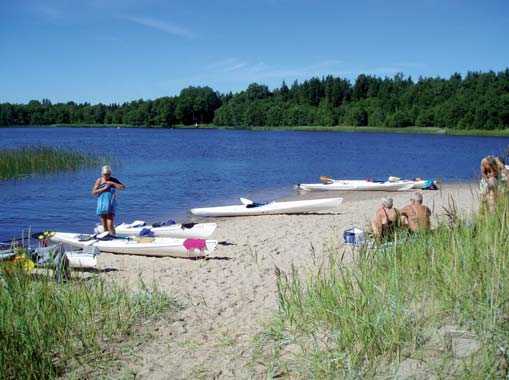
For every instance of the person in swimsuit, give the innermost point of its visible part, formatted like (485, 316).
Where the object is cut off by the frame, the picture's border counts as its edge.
(386, 219)
(415, 216)
(105, 188)
(493, 181)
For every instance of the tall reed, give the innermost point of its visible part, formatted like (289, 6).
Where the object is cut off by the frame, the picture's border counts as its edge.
(48, 330)
(42, 159)
(360, 321)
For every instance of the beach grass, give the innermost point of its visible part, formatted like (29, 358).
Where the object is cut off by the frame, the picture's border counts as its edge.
(79, 328)
(24, 161)
(440, 299)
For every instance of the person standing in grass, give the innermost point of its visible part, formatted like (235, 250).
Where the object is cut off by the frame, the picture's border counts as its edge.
(493, 181)
(416, 216)
(105, 188)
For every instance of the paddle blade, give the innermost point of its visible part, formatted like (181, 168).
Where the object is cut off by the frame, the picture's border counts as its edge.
(326, 179)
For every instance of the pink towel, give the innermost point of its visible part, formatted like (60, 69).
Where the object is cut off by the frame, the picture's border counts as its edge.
(195, 243)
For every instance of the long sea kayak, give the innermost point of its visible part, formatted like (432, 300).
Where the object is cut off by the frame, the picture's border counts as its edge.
(417, 183)
(145, 246)
(252, 208)
(359, 185)
(187, 230)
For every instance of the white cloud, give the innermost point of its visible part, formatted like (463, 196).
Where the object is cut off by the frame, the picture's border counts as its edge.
(163, 26)
(243, 70)
(234, 74)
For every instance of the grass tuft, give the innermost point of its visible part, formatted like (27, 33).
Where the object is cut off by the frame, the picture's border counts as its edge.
(30, 160)
(48, 330)
(402, 302)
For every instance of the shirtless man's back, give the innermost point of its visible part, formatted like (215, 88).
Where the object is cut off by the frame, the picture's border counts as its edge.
(416, 216)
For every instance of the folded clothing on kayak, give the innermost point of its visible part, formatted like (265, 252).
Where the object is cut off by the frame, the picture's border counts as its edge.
(195, 244)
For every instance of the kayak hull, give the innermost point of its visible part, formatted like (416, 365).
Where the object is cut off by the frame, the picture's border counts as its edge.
(79, 259)
(162, 247)
(82, 258)
(359, 185)
(290, 207)
(196, 231)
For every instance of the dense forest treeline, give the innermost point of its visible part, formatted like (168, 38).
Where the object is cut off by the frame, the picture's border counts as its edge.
(477, 101)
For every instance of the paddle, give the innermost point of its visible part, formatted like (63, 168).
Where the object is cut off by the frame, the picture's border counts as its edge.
(326, 179)
(329, 180)
(44, 235)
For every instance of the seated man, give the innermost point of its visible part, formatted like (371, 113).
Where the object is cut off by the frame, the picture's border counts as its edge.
(493, 181)
(415, 216)
(386, 219)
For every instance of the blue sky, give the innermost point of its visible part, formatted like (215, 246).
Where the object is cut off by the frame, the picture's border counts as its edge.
(123, 50)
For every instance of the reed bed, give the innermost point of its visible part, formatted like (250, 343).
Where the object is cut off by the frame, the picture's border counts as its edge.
(29, 160)
(76, 329)
(398, 303)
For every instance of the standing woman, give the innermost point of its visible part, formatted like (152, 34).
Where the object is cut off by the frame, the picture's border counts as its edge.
(105, 188)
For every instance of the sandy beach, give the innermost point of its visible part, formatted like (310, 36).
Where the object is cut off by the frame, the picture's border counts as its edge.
(228, 296)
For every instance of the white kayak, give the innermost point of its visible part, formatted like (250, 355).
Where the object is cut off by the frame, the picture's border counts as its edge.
(360, 185)
(80, 258)
(146, 246)
(83, 258)
(187, 230)
(417, 183)
(249, 207)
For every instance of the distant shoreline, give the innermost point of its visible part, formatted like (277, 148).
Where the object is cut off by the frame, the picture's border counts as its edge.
(404, 130)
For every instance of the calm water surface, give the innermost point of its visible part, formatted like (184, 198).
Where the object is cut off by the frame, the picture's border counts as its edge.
(167, 172)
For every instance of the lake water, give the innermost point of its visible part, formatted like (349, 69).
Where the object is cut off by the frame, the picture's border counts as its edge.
(167, 172)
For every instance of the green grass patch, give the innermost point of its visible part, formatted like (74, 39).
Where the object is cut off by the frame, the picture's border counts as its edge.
(361, 321)
(80, 329)
(30, 160)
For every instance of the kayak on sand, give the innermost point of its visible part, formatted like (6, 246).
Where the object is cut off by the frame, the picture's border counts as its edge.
(187, 230)
(360, 185)
(417, 183)
(44, 256)
(248, 207)
(146, 246)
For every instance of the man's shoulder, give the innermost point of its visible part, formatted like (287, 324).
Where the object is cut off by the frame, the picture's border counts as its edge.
(406, 208)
